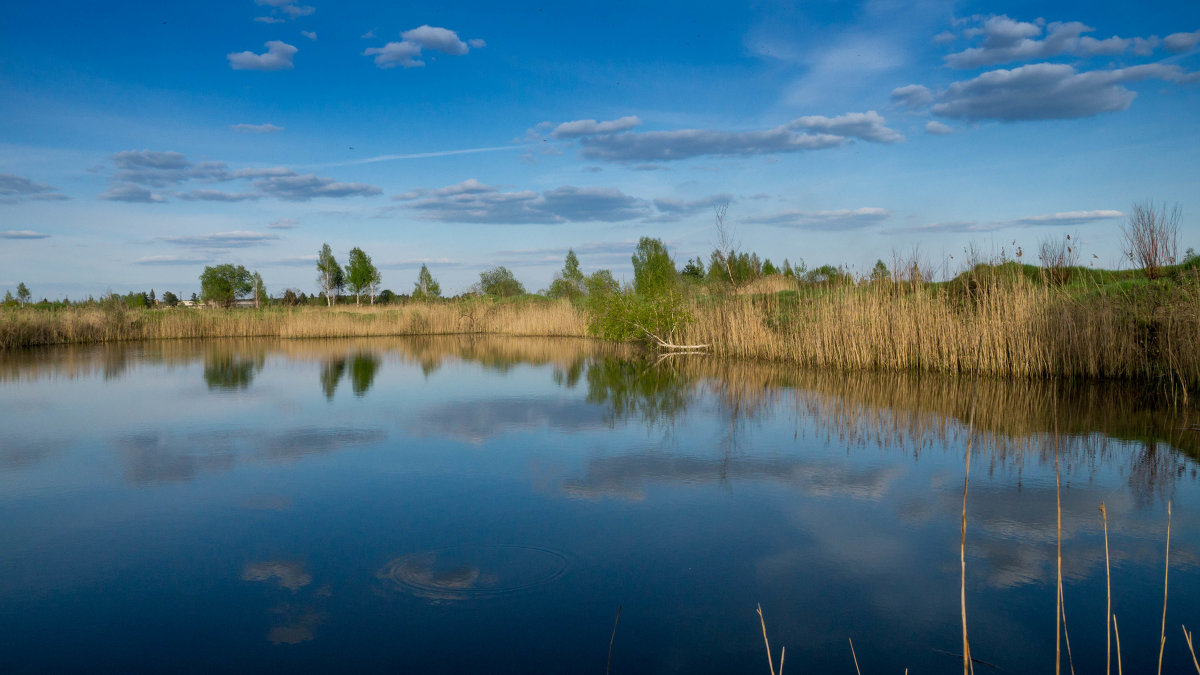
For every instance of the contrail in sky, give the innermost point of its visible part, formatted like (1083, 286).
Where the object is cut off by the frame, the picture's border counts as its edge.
(421, 155)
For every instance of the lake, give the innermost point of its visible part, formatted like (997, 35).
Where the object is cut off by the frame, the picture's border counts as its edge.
(486, 505)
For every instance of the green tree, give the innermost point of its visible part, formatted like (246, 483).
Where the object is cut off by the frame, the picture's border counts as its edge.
(330, 275)
(22, 292)
(426, 288)
(361, 275)
(693, 270)
(653, 269)
(569, 282)
(386, 296)
(768, 269)
(170, 299)
(880, 273)
(260, 290)
(223, 284)
(8, 296)
(500, 281)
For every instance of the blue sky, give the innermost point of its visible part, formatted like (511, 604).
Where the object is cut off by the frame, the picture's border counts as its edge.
(140, 142)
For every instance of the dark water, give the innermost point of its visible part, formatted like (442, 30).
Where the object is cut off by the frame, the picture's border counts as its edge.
(486, 506)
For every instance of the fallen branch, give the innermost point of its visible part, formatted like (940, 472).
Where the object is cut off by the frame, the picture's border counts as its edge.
(663, 343)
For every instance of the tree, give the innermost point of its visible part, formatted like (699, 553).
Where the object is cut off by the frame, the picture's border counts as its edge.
(8, 296)
(653, 269)
(386, 296)
(1152, 236)
(170, 299)
(223, 284)
(22, 292)
(260, 290)
(426, 288)
(880, 273)
(152, 300)
(361, 275)
(569, 282)
(693, 270)
(329, 274)
(500, 281)
(601, 283)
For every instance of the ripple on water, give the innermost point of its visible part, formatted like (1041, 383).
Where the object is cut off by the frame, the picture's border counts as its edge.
(465, 572)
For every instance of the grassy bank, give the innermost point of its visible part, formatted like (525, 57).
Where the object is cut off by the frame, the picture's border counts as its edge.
(1006, 327)
(28, 327)
(1000, 320)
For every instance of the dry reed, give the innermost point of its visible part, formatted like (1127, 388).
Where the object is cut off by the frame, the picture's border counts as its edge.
(1023, 330)
(1166, 572)
(1108, 615)
(1188, 637)
(26, 328)
(612, 639)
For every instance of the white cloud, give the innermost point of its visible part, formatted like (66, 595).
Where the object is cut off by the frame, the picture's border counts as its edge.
(255, 128)
(1006, 40)
(277, 57)
(868, 126)
(475, 202)
(1181, 42)
(805, 133)
(912, 97)
(437, 39)
(300, 188)
(223, 240)
(296, 11)
(937, 128)
(841, 219)
(218, 196)
(580, 128)
(128, 192)
(1070, 217)
(268, 19)
(310, 34)
(19, 188)
(407, 52)
(476, 43)
(172, 260)
(23, 234)
(283, 224)
(1048, 91)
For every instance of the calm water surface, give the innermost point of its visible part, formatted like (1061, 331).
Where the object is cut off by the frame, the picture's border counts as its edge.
(457, 505)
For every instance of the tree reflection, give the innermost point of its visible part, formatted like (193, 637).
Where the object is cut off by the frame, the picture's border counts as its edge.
(638, 388)
(363, 367)
(331, 374)
(230, 370)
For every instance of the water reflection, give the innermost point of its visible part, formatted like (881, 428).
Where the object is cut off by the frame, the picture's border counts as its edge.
(164, 457)
(331, 375)
(231, 371)
(287, 574)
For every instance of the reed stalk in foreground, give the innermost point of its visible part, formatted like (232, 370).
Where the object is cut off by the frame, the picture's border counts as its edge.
(1108, 615)
(1058, 605)
(770, 663)
(1117, 634)
(968, 665)
(1163, 635)
(855, 657)
(612, 639)
(1188, 636)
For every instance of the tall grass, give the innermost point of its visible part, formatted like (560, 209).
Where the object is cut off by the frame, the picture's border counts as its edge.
(1020, 329)
(28, 327)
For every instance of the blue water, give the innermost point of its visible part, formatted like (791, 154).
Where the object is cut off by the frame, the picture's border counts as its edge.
(486, 505)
